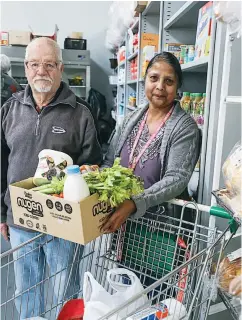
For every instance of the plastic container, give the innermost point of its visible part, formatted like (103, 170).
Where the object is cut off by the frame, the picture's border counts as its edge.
(186, 101)
(200, 111)
(183, 54)
(52, 163)
(75, 187)
(197, 99)
(191, 53)
(132, 100)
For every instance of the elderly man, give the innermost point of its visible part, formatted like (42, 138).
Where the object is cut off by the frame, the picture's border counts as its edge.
(46, 115)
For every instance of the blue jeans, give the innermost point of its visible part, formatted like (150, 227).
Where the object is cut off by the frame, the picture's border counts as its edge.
(29, 267)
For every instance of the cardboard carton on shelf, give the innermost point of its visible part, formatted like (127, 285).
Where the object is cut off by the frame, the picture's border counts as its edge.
(149, 39)
(76, 222)
(3, 38)
(140, 6)
(19, 38)
(49, 34)
(204, 26)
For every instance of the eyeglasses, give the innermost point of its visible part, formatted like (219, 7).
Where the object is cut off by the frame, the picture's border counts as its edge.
(49, 66)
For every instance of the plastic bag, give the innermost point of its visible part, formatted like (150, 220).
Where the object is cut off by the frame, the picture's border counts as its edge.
(98, 302)
(229, 269)
(230, 13)
(232, 173)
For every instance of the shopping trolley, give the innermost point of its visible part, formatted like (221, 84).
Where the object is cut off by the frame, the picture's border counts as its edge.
(173, 259)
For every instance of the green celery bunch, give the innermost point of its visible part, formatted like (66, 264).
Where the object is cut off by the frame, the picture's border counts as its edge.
(115, 184)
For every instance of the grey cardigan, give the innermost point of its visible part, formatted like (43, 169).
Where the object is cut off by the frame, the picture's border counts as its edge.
(179, 154)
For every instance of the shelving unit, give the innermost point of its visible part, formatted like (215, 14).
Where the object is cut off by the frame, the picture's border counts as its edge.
(176, 22)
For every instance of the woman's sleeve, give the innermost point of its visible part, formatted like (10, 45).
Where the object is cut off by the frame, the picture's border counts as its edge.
(181, 160)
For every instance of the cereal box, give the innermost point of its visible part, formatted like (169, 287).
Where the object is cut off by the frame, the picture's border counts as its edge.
(204, 26)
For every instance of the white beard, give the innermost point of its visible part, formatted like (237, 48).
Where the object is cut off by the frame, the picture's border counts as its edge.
(42, 88)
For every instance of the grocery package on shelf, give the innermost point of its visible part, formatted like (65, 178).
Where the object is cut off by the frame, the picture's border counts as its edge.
(148, 53)
(3, 38)
(230, 197)
(121, 76)
(194, 104)
(134, 68)
(183, 52)
(136, 42)
(132, 99)
(174, 48)
(187, 53)
(133, 42)
(229, 269)
(149, 39)
(121, 54)
(204, 26)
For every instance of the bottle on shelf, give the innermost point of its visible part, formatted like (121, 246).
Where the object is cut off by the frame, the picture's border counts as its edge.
(196, 102)
(186, 101)
(200, 116)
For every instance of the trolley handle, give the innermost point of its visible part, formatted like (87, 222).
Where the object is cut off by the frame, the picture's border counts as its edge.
(221, 213)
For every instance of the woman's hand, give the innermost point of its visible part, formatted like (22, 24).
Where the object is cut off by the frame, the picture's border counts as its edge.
(122, 213)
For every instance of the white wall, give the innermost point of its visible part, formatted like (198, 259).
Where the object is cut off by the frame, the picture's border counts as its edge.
(89, 17)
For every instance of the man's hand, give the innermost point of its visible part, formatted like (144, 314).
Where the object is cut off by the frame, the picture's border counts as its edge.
(122, 213)
(4, 231)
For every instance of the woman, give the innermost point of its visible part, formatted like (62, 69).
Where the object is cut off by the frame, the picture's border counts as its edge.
(160, 141)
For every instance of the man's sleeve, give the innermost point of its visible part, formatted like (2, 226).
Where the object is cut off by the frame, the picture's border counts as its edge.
(4, 169)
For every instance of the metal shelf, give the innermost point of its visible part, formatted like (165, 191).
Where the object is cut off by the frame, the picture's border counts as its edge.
(77, 86)
(186, 16)
(200, 65)
(135, 25)
(122, 63)
(131, 108)
(152, 8)
(132, 56)
(132, 81)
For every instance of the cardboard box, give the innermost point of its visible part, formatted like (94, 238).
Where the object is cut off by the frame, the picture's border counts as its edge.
(49, 34)
(149, 39)
(71, 221)
(204, 26)
(19, 38)
(140, 6)
(3, 38)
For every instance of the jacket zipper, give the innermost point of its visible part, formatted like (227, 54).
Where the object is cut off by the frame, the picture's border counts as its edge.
(37, 125)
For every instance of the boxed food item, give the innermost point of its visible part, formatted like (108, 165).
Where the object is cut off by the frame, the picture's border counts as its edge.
(204, 26)
(148, 53)
(19, 38)
(149, 39)
(4, 38)
(76, 222)
(49, 34)
(174, 48)
(140, 6)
